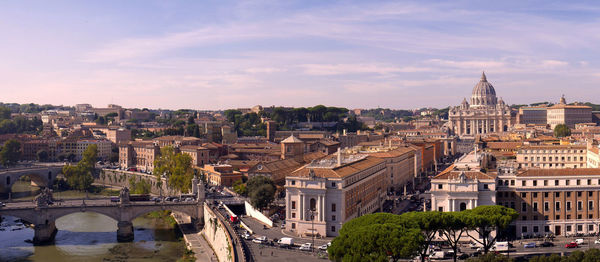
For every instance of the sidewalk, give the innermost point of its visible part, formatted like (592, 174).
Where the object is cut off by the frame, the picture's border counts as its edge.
(196, 242)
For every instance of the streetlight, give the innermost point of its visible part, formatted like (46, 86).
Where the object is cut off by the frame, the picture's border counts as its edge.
(312, 213)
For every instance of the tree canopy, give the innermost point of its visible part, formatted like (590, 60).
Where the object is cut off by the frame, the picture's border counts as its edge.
(10, 153)
(376, 237)
(487, 219)
(261, 191)
(562, 130)
(177, 167)
(80, 176)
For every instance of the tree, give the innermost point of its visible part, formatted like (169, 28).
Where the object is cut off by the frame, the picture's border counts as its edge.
(240, 188)
(10, 153)
(429, 223)
(4, 113)
(562, 130)
(486, 219)
(80, 176)
(177, 167)
(141, 187)
(453, 229)
(261, 190)
(376, 237)
(42, 155)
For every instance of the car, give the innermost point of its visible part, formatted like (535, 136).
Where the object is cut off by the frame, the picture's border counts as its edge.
(579, 241)
(463, 256)
(547, 244)
(260, 240)
(597, 241)
(323, 247)
(572, 245)
(306, 247)
(2, 204)
(529, 245)
(246, 236)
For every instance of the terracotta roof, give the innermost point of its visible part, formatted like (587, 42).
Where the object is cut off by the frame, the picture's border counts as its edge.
(308, 157)
(560, 172)
(594, 149)
(504, 145)
(471, 174)
(341, 171)
(192, 147)
(554, 147)
(328, 142)
(292, 139)
(558, 106)
(393, 153)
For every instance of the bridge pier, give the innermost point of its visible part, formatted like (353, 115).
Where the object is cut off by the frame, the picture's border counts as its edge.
(125, 231)
(44, 233)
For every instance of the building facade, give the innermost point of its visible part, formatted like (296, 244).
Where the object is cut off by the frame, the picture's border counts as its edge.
(552, 156)
(484, 114)
(569, 115)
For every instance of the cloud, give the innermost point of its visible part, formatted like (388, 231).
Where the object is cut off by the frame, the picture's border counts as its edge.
(264, 70)
(341, 69)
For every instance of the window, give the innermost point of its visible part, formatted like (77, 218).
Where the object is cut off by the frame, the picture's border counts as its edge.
(512, 182)
(590, 193)
(293, 225)
(546, 208)
(578, 182)
(535, 217)
(332, 228)
(293, 215)
(568, 228)
(333, 218)
(589, 182)
(545, 217)
(556, 182)
(440, 186)
(545, 194)
(557, 217)
(523, 207)
(535, 229)
(590, 205)
(557, 194)
(579, 216)
(579, 205)
(313, 204)
(333, 184)
(523, 183)
(579, 193)
(568, 216)
(524, 229)
(441, 209)
(293, 182)
(535, 206)
(557, 206)
(524, 218)
(535, 194)
(534, 182)
(579, 228)
(485, 186)
(523, 194)
(568, 194)
(567, 182)
(545, 182)
(568, 205)
(293, 204)
(512, 205)
(546, 228)
(590, 227)
(590, 216)
(333, 207)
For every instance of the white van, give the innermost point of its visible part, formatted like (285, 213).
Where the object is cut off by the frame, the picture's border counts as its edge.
(501, 246)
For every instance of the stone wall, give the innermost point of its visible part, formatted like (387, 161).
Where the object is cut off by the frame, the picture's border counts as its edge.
(216, 235)
(121, 178)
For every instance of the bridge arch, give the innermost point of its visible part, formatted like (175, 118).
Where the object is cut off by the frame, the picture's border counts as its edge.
(109, 212)
(40, 175)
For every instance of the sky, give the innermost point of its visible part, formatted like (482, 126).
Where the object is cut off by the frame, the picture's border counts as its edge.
(356, 54)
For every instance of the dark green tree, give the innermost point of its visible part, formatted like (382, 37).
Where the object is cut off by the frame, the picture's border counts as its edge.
(486, 219)
(376, 237)
(80, 176)
(240, 188)
(453, 229)
(10, 153)
(562, 130)
(492, 257)
(429, 224)
(177, 167)
(261, 191)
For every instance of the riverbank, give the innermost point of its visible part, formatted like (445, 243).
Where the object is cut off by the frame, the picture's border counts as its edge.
(195, 241)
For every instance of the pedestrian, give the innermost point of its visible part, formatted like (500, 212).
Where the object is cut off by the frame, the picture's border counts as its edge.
(261, 252)
(271, 253)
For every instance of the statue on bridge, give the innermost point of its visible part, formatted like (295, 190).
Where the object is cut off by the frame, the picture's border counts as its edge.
(44, 198)
(124, 195)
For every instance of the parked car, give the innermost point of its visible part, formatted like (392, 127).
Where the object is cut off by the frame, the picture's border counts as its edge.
(246, 236)
(529, 245)
(547, 244)
(306, 247)
(579, 241)
(285, 242)
(260, 240)
(325, 246)
(2, 204)
(597, 241)
(463, 256)
(572, 245)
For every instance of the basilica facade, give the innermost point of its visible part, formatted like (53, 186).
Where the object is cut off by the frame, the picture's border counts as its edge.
(483, 114)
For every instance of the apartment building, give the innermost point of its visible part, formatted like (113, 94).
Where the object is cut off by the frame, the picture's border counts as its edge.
(139, 155)
(220, 175)
(104, 148)
(199, 154)
(328, 192)
(552, 156)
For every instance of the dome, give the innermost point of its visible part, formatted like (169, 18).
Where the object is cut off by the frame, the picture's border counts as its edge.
(483, 94)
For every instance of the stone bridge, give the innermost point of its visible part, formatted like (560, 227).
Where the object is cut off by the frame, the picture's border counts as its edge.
(43, 216)
(42, 175)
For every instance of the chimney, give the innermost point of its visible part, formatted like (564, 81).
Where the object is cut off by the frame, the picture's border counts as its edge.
(339, 157)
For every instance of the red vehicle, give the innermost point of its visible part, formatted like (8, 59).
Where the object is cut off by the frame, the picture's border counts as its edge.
(234, 218)
(571, 245)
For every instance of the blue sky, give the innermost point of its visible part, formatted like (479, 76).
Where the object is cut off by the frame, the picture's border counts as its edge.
(356, 54)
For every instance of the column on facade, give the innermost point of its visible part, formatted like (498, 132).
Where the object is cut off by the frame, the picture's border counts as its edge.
(301, 206)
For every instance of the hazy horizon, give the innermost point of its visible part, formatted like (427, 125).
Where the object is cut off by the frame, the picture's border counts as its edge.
(215, 55)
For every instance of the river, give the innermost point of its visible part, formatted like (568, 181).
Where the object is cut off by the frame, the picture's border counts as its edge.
(92, 237)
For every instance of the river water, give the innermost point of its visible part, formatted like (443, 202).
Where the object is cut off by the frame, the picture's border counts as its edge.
(92, 237)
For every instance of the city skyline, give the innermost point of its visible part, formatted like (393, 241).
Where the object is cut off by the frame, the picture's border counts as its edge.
(219, 55)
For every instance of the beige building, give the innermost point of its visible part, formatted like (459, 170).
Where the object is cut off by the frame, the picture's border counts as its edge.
(220, 175)
(199, 154)
(552, 156)
(330, 192)
(484, 114)
(535, 115)
(118, 135)
(593, 156)
(139, 155)
(569, 115)
(104, 148)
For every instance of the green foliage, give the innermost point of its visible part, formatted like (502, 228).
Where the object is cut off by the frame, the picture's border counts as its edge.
(429, 223)
(5, 113)
(376, 237)
(261, 191)
(386, 114)
(176, 167)
(18, 124)
(240, 188)
(487, 219)
(562, 130)
(10, 153)
(590, 255)
(80, 176)
(101, 121)
(141, 187)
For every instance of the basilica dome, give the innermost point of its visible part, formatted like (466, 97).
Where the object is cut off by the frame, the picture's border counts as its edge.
(483, 94)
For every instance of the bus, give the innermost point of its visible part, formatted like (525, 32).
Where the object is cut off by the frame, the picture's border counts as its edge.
(142, 197)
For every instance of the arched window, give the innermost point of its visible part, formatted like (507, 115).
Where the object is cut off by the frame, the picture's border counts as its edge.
(463, 206)
(8, 181)
(313, 204)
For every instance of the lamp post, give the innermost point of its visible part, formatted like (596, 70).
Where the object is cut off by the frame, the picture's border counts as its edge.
(311, 213)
